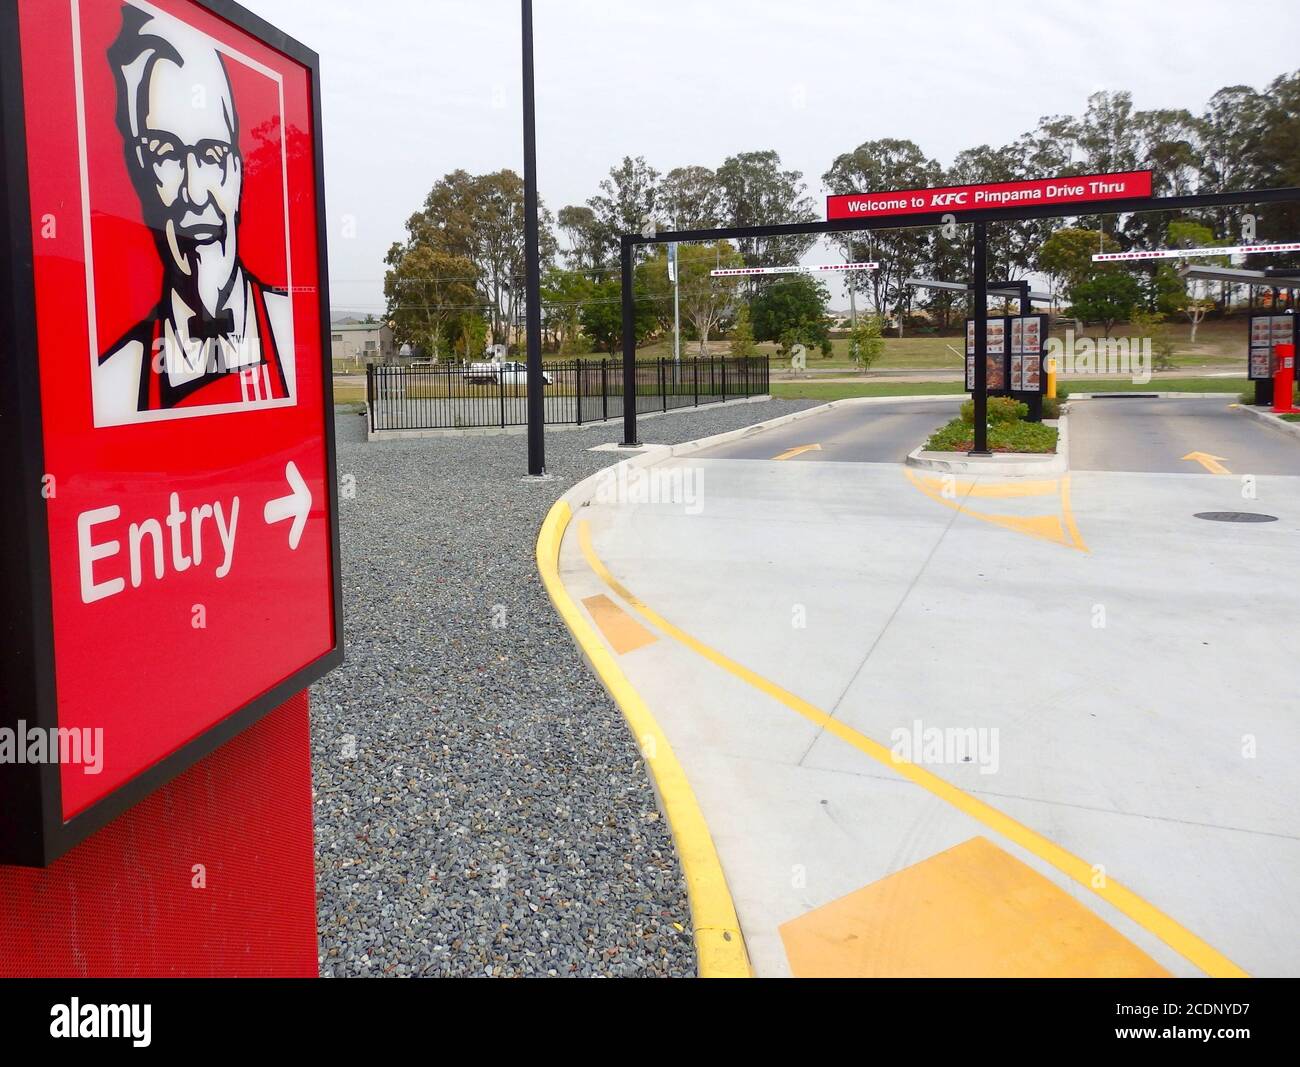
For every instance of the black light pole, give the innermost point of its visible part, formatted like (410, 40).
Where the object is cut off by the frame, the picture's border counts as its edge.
(532, 271)
(980, 286)
(629, 345)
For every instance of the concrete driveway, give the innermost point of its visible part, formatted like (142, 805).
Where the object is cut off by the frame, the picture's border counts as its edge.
(982, 727)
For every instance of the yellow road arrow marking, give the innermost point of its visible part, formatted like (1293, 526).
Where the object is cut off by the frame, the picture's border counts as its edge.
(1209, 462)
(790, 453)
(1060, 529)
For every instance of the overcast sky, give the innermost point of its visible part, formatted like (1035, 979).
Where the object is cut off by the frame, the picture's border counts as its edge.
(413, 89)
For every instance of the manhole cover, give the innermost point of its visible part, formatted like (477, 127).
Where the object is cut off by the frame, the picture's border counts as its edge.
(1235, 516)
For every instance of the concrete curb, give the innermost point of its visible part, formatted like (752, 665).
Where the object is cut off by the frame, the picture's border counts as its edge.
(719, 943)
(1011, 465)
(1150, 396)
(498, 431)
(1291, 429)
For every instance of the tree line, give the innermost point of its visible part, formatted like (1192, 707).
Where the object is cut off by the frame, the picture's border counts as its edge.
(456, 281)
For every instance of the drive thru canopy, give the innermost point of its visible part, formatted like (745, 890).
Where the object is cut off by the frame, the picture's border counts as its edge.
(1118, 194)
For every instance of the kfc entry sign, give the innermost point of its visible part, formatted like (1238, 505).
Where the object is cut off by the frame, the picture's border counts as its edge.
(1081, 189)
(170, 528)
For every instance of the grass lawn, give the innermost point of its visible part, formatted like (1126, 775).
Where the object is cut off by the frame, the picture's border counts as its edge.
(1217, 343)
(349, 392)
(839, 390)
(1158, 385)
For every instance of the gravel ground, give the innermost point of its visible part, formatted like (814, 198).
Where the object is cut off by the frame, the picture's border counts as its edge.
(481, 809)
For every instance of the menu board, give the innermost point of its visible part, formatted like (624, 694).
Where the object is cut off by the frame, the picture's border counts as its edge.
(1266, 333)
(996, 334)
(1027, 337)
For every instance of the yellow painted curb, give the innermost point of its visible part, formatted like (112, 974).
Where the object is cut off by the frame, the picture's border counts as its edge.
(719, 945)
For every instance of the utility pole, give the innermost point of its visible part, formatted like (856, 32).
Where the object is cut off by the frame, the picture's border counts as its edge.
(980, 286)
(849, 281)
(532, 274)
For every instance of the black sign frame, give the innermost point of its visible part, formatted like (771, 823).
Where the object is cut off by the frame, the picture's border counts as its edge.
(33, 832)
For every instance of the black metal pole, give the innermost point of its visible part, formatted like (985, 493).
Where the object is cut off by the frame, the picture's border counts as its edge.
(629, 347)
(980, 283)
(1035, 398)
(532, 270)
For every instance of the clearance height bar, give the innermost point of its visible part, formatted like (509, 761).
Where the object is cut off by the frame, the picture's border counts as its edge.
(1188, 253)
(809, 268)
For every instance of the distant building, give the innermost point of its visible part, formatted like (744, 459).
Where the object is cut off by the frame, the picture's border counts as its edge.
(362, 342)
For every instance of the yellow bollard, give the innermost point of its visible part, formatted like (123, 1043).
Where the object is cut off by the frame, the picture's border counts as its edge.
(1051, 377)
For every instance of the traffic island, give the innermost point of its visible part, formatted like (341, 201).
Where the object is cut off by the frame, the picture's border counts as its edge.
(1018, 447)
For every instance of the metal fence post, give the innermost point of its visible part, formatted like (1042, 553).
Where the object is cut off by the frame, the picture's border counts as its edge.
(501, 394)
(577, 370)
(695, 373)
(604, 390)
(724, 379)
(663, 395)
(370, 395)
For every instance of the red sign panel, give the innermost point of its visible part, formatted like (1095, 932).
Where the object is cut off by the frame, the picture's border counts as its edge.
(1084, 189)
(179, 307)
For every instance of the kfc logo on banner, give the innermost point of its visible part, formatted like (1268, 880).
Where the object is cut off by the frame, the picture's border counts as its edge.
(218, 332)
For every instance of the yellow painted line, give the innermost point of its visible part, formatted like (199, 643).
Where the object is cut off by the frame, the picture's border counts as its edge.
(1060, 530)
(1209, 462)
(623, 632)
(1071, 525)
(719, 946)
(790, 453)
(972, 911)
(1090, 876)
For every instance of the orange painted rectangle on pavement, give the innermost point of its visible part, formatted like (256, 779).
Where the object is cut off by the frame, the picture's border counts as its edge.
(971, 911)
(623, 632)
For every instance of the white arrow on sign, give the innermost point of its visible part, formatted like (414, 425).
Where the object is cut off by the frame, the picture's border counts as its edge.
(295, 506)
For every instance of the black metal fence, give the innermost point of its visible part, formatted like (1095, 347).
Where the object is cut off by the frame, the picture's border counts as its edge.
(459, 395)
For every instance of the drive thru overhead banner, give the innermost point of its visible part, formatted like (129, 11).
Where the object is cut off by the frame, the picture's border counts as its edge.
(1081, 189)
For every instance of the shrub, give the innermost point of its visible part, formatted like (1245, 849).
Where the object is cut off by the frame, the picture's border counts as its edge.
(958, 436)
(866, 342)
(1051, 407)
(1001, 409)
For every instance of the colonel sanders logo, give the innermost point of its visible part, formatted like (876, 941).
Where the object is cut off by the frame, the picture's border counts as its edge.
(218, 335)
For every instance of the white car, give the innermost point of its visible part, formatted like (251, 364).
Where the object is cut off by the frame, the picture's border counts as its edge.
(507, 372)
